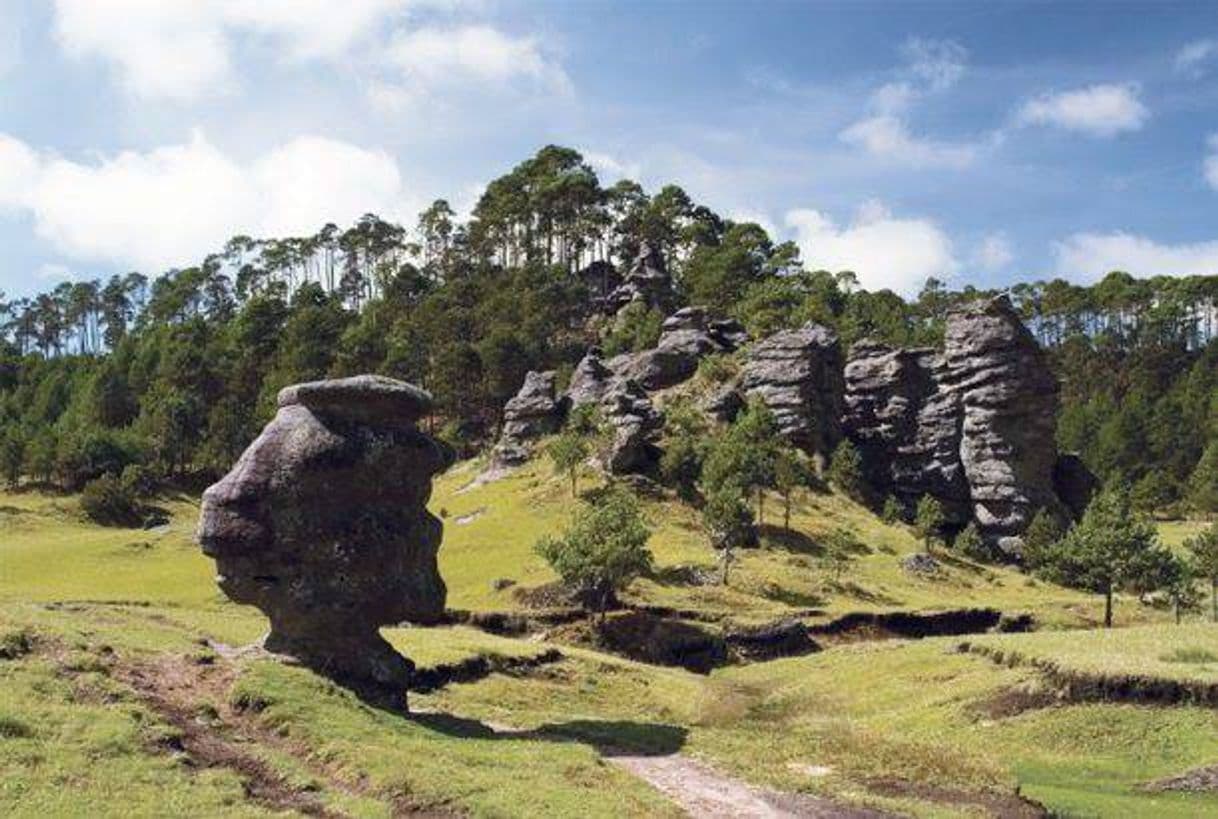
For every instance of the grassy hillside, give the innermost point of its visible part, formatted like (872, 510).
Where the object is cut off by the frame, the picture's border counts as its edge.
(111, 695)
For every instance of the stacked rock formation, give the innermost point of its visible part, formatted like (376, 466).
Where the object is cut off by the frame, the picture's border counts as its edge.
(906, 425)
(1008, 399)
(973, 426)
(686, 337)
(635, 425)
(533, 412)
(646, 282)
(322, 524)
(798, 374)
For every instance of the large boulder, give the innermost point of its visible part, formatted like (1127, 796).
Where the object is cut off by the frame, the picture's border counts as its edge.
(323, 525)
(589, 381)
(533, 412)
(798, 374)
(647, 282)
(905, 425)
(1008, 401)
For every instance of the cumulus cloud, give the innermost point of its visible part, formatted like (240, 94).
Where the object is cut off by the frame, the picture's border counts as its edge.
(182, 49)
(173, 204)
(1097, 110)
(930, 67)
(883, 250)
(428, 61)
(993, 253)
(1192, 58)
(1090, 256)
(610, 168)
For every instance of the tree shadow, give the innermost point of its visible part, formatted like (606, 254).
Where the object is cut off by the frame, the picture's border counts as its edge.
(790, 539)
(609, 737)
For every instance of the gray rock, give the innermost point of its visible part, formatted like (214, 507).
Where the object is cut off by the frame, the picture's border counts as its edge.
(723, 404)
(686, 337)
(533, 412)
(589, 381)
(798, 374)
(635, 425)
(322, 524)
(647, 281)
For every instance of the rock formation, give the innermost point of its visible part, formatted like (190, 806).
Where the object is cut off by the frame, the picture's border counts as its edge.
(533, 412)
(647, 282)
(322, 524)
(798, 374)
(589, 381)
(1008, 398)
(973, 426)
(686, 337)
(907, 428)
(635, 424)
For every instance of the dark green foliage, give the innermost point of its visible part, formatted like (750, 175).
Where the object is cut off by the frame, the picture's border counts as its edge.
(636, 327)
(969, 543)
(1112, 548)
(791, 471)
(1203, 483)
(567, 452)
(846, 471)
(928, 520)
(110, 502)
(841, 546)
(1203, 549)
(1043, 533)
(603, 549)
(729, 524)
(893, 511)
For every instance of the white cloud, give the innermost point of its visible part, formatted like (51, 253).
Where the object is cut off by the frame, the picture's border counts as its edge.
(1191, 58)
(1098, 110)
(173, 204)
(609, 168)
(994, 253)
(938, 63)
(887, 136)
(884, 251)
(1090, 256)
(931, 67)
(182, 49)
(1210, 164)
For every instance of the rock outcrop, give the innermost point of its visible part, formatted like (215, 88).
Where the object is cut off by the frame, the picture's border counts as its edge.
(973, 426)
(686, 337)
(906, 426)
(647, 282)
(798, 374)
(1008, 398)
(635, 424)
(589, 381)
(322, 524)
(533, 412)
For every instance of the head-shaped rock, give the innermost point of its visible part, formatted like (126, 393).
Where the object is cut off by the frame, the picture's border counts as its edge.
(322, 523)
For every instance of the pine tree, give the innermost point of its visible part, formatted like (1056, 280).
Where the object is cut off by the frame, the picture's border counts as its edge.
(1203, 548)
(928, 520)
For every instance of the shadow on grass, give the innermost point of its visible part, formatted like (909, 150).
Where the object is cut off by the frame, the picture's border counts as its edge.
(789, 539)
(608, 737)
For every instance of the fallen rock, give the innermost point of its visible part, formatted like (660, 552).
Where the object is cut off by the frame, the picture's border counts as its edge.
(533, 412)
(920, 563)
(798, 374)
(323, 525)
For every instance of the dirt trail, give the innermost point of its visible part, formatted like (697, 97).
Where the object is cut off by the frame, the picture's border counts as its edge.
(704, 792)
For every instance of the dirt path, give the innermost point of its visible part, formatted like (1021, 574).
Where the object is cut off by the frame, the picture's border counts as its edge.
(704, 792)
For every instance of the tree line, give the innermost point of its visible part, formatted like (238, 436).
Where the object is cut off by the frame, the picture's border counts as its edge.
(174, 373)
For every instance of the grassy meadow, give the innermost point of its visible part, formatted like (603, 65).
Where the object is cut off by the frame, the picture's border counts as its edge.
(110, 689)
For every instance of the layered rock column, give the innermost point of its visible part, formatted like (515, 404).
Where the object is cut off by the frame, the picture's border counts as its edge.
(322, 524)
(533, 412)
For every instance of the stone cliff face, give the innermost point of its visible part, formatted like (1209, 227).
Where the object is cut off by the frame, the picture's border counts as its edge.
(973, 426)
(533, 412)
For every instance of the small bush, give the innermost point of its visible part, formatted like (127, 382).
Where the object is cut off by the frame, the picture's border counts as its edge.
(894, 510)
(13, 728)
(15, 644)
(110, 502)
(972, 545)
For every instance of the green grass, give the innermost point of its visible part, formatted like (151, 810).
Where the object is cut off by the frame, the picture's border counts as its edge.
(74, 742)
(1173, 533)
(1187, 653)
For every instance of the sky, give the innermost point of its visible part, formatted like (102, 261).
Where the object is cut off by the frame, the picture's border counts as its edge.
(981, 143)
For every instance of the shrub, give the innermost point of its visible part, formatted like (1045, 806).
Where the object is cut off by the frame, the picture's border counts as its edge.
(603, 549)
(894, 510)
(928, 520)
(729, 522)
(972, 545)
(110, 502)
(846, 471)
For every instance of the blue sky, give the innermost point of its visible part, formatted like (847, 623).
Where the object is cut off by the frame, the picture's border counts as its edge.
(979, 142)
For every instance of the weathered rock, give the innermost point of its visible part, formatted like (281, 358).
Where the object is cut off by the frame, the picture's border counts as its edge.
(322, 524)
(635, 423)
(723, 404)
(798, 374)
(589, 381)
(533, 412)
(647, 281)
(686, 337)
(1008, 399)
(906, 427)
